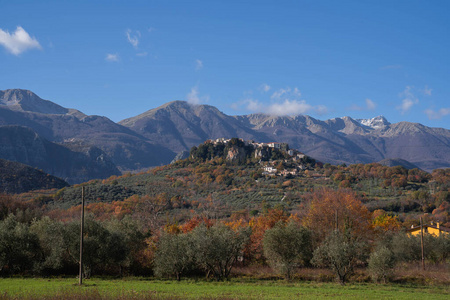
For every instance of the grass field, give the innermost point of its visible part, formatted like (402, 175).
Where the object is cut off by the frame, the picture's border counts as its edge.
(139, 288)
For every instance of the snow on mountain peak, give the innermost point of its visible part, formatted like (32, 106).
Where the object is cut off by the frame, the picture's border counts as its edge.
(375, 123)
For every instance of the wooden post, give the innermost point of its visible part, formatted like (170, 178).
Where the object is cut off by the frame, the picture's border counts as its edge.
(421, 243)
(81, 237)
(336, 217)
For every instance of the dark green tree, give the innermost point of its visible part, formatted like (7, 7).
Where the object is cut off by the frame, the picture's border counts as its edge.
(381, 263)
(52, 245)
(102, 248)
(340, 252)
(287, 246)
(217, 248)
(174, 255)
(133, 238)
(19, 247)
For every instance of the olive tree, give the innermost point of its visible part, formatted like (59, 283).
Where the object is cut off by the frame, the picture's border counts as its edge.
(405, 248)
(51, 239)
(19, 247)
(174, 255)
(381, 263)
(287, 246)
(340, 252)
(132, 237)
(218, 247)
(101, 248)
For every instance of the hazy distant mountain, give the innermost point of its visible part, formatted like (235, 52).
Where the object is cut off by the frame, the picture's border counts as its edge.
(127, 149)
(19, 178)
(179, 126)
(157, 135)
(23, 100)
(344, 140)
(22, 144)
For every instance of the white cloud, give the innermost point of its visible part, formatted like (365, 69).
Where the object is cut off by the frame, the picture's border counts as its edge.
(278, 94)
(286, 93)
(265, 87)
(19, 41)
(285, 108)
(112, 57)
(289, 107)
(321, 110)
(198, 64)
(133, 39)
(194, 98)
(406, 105)
(356, 107)
(142, 54)
(427, 91)
(370, 104)
(253, 105)
(435, 115)
(285, 102)
(408, 101)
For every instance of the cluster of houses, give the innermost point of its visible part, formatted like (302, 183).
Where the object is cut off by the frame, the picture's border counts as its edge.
(271, 170)
(252, 143)
(269, 167)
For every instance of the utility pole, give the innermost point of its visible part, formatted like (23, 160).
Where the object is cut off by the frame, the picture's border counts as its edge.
(336, 220)
(421, 243)
(81, 237)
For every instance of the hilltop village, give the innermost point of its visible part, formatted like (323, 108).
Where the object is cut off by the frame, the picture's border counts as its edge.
(275, 159)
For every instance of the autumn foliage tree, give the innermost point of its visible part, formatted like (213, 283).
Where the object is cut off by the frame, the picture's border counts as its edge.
(383, 222)
(259, 225)
(337, 209)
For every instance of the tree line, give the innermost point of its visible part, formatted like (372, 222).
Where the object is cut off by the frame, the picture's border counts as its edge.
(335, 230)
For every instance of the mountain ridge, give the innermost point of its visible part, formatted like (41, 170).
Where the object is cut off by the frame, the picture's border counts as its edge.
(126, 148)
(155, 136)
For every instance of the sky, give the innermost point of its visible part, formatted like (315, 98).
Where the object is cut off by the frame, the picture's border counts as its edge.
(325, 59)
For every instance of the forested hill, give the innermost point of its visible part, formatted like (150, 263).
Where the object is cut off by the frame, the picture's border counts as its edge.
(210, 183)
(19, 178)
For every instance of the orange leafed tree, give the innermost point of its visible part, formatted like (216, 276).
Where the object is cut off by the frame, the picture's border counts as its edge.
(337, 209)
(194, 222)
(383, 222)
(259, 225)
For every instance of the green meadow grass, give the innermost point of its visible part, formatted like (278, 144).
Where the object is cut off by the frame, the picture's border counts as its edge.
(136, 288)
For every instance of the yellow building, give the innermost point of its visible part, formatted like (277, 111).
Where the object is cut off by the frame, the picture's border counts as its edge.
(433, 229)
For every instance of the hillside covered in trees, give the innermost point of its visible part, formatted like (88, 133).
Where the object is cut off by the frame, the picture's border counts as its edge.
(225, 195)
(18, 178)
(219, 179)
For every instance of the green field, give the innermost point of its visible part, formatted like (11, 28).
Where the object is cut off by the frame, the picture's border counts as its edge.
(135, 288)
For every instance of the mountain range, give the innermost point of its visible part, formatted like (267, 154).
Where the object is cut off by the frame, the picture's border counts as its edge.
(157, 135)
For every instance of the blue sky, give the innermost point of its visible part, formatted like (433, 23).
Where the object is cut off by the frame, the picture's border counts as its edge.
(322, 58)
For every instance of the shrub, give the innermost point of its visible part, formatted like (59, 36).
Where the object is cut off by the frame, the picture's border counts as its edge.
(381, 263)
